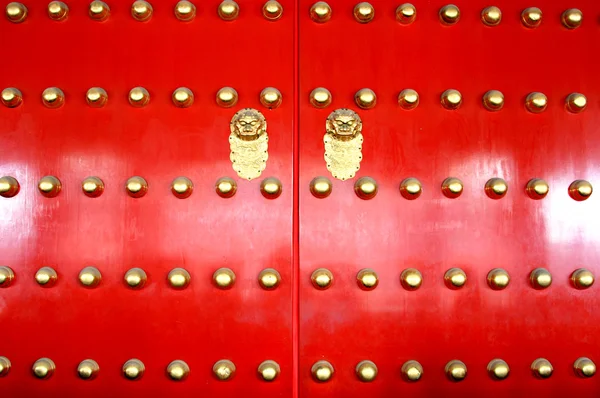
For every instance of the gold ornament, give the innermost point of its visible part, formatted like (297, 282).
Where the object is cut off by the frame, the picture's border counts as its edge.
(343, 143)
(248, 143)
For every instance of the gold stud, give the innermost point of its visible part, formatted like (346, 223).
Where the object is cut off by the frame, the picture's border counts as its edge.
(136, 187)
(493, 100)
(9, 186)
(228, 10)
(542, 368)
(321, 278)
(178, 370)
(365, 98)
(227, 97)
(58, 11)
(581, 278)
(411, 188)
(572, 18)
(92, 187)
(456, 370)
(182, 187)
(531, 17)
(364, 12)
(96, 97)
(576, 102)
(270, 188)
(320, 12)
(322, 371)
(179, 278)
(580, 190)
(451, 99)
(49, 186)
(365, 188)
(99, 11)
(224, 369)
(536, 102)
(367, 279)
(412, 370)
(7, 276)
(185, 11)
(139, 97)
(11, 97)
(450, 14)
(269, 370)
(270, 97)
(53, 97)
(88, 369)
(43, 368)
(584, 367)
(366, 371)
(411, 279)
(496, 188)
(272, 10)
(183, 97)
(452, 187)
(269, 278)
(90, 277)
(224, 278)
(46, 277)
(321, 187)
(455, 278)
(141, 11)
(16, 12)
(225, 187)
(5, 366)
(540, 278)
(408, 99)
(133, 369)
(406, 13)
(320, 97)
(537, 188)
(498, 279)
(491, 16)
(498, 369)
(135, 278)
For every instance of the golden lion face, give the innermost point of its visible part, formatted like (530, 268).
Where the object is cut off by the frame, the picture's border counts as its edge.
(248, 124)
(344, 123)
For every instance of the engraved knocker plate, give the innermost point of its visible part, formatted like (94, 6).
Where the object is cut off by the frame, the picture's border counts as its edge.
(248, 143)
(343, 143)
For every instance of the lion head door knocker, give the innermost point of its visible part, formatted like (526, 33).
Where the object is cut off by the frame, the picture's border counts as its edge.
(248, 143)
(343, 143)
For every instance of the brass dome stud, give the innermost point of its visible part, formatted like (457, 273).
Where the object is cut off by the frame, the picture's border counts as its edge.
(9, 186)
(366, 188)
(90, 277)
(321, 278)
(498, 369)
(408, 99)
(576, 103)
(99, 11)
(96, 97)
(366, 371)
(449, 14)
(136, 187)
(322, 371)
(141, 11)
(271, 188)
(456, 370)
(182, 97)
(226, 187)
(269, 370)
(139, 97)
(411, 188)
(320, 12)
(224, 278)
(496, 188)
(43, 368)
(572, 18)
(58, 11)
(411, 279)
(498, 279)
(224, 369)
(133, 369)
(269, 278)
(178, 370)
(16, 12)
(182, 187)
(5, 366)
(227, 97)
(53, 98)
(185, 11)
(455, 278)
(272, 10)
(493, 100)
(452, 187)
(320, 98)
(46, 277)
(7, 276)
(364, 12)
(491, 16)
(451, 99)
(540, 278)
(321, 187)
(88, 369)
(542, 368)
(536, 102)
(581, 278)
(531, 17)
(135, 278)
(92, 187)
(228, 10)
(580, 190)
(270, 97)
(367, 279)
(406, 13)
(178, 278)
(584, 367)
(365, 98)
(537, 188)
(11, 97)
(412, 371)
